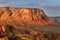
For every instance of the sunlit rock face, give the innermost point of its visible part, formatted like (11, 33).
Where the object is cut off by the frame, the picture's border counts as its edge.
(2, 31)
(23, 16)
(15, 18)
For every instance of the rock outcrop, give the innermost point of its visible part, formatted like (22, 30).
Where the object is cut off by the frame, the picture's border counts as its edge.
(2, 31)
(11, 18)
(23, 17)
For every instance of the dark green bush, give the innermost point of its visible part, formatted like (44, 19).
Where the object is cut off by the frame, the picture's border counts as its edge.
(8, 32)
(13, 36)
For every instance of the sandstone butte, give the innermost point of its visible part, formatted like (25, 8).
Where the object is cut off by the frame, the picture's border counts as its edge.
(22, 17)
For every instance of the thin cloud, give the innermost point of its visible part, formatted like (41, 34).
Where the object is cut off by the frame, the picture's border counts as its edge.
(43, 4)
(47, 5)
(1, 5)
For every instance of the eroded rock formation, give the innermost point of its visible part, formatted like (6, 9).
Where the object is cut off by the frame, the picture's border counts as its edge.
(23, 16)
(11, 18)
(2, 31)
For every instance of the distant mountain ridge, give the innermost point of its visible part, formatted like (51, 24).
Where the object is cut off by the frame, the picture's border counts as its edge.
(56, 19)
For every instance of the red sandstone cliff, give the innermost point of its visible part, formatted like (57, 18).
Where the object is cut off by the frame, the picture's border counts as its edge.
(14, 17)
(23, 16)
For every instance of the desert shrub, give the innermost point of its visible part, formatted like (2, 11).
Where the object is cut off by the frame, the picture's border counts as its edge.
(8, 32)
(47, 36)
(15, 38)
(53, 36)
(34, 37)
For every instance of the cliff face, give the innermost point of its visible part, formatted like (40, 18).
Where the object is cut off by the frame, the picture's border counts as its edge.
(23, 16)
(11, 18)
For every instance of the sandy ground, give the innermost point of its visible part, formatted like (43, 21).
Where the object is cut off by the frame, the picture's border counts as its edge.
(49, 29)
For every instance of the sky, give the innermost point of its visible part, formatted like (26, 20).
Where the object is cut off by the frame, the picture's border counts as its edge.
(50, 7)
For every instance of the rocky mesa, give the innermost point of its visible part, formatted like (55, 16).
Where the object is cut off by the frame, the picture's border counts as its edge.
(23, 17)
(11, 18)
